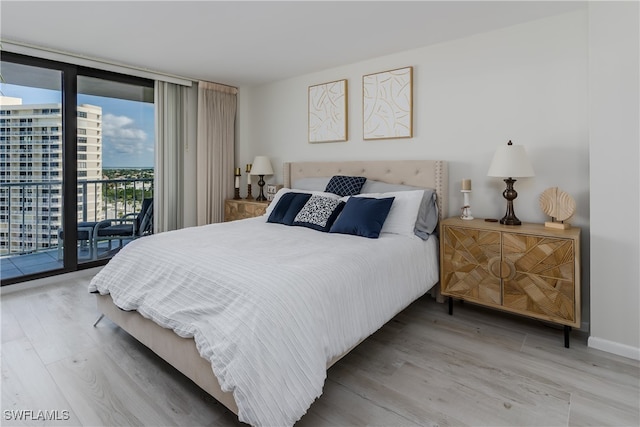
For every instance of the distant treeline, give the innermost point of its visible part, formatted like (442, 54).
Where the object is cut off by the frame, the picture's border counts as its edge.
(139, 173)
(127, 192)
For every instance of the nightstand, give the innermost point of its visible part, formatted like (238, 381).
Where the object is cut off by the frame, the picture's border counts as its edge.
(242, 209)
(528, 269)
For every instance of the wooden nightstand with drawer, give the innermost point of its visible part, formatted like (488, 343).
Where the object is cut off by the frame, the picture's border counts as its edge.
(528, 269)
(242, 209)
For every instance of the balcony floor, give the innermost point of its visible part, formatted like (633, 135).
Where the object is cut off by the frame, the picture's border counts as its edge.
(20, 265)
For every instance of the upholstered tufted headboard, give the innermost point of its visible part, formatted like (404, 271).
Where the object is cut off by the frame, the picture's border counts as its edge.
(420, 173)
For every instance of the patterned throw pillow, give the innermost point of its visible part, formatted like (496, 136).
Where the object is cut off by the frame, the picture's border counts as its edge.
(345, 185)
(319, 213)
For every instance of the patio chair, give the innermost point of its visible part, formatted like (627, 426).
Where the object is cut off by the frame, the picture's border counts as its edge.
(129, 227)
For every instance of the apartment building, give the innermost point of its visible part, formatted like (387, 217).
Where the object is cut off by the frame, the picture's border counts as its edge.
(31, 172)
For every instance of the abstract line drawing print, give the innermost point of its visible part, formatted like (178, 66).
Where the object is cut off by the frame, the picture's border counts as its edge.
(387, 104)
(328, 112)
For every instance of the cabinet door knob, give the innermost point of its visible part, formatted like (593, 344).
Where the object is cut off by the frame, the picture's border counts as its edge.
(501, 268)
(508, 270)
(494, 266)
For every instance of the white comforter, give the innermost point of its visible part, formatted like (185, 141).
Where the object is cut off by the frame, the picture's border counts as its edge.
(269, 305)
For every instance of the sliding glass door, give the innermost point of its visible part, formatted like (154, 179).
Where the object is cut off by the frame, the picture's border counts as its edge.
(76, 149)
(116, 146)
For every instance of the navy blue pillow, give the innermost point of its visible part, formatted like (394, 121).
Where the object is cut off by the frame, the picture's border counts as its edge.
(319, 213)
(288, 207)
(363, 216)
(345, 185)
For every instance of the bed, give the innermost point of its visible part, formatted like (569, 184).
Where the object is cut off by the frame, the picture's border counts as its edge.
(270, 360)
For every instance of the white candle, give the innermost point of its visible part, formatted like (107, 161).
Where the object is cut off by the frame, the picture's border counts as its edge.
(466, 185)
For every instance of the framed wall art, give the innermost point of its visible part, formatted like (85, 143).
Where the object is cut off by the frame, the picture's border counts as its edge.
(387, 104)
(328, 112)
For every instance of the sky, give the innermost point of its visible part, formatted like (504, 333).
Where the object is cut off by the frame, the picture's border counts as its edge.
(127, 126)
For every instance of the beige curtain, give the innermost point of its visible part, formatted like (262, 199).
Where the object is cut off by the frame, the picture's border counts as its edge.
(215, 148)
(173, 108)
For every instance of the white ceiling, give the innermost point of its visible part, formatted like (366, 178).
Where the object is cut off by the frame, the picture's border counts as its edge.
(249, 43)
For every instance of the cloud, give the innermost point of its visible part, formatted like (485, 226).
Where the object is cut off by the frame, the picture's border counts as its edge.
(122, 136)
(120, 127)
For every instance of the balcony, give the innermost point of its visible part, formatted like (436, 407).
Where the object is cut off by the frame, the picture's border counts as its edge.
(31, 215)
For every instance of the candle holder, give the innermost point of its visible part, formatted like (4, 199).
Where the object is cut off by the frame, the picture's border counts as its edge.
(466, 209)
(236, 193)
(249, 195)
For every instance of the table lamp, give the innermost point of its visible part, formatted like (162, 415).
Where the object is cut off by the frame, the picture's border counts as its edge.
(261, 167)
(510, 161)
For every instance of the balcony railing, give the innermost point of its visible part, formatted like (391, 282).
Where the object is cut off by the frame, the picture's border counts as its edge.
(112, 197)
(31, 212)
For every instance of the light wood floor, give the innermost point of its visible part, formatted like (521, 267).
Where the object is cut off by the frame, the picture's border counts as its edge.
(426, 368)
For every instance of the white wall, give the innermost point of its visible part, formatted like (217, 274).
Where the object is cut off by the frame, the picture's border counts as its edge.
(615, 182)
(527, 83)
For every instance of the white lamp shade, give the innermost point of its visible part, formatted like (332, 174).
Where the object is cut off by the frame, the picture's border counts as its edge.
(510, 161)
(261, 166)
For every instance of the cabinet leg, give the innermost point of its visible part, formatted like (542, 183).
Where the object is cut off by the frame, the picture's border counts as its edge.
(567, 331)
(450, 306)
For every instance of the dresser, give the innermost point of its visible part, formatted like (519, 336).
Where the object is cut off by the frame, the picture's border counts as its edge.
(528, 270)
(242, 208)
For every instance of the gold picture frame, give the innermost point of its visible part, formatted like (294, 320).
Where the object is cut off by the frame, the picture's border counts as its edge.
(328, 112)
(387, 104)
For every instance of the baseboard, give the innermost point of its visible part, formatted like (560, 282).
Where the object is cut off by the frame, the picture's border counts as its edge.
(614, 347)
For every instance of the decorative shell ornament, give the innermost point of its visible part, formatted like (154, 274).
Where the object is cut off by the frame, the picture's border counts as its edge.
(559, 205)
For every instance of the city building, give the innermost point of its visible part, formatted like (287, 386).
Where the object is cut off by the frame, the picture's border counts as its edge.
(31, 168)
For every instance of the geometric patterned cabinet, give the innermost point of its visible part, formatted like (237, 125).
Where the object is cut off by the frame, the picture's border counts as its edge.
(242, 209)
(528, 269)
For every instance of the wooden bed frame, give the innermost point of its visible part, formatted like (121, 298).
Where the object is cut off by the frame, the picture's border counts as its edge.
(182, 353)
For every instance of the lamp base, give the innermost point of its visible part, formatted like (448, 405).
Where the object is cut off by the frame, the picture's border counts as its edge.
(510, 221)
(510, 194)
(261, 197)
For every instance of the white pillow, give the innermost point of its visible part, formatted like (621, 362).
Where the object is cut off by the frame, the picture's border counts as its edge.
(285, 190)
(312, 183)
(404, 211)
